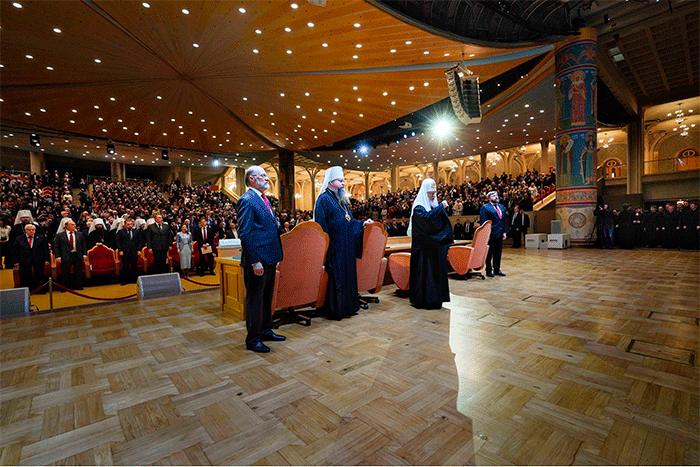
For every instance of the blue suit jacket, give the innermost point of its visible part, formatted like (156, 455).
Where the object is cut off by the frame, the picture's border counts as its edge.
(257, 228)
(499, 225)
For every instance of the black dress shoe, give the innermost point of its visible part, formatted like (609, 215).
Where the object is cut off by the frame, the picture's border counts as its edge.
(500, 273)
(489, 274)
(257, 346)
(271, 336)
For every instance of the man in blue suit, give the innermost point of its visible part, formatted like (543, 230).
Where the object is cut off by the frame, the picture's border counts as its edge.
(496, 213)
(261, 251)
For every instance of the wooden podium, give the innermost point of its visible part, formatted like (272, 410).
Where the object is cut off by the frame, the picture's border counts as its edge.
(232, 287)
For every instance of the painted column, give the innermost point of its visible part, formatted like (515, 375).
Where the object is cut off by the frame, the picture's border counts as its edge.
(286, 179)
(366, 185)
(576, 138)
(36, 162)
(394, 179)
(482, 169)
(635, 154)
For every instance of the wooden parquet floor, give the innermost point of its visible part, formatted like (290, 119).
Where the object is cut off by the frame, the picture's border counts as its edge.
(577, 357)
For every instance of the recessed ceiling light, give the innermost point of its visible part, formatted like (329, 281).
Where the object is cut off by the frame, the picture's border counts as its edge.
(281, 94)
(385, 93)
(43, 110)
(324, 45)
(146, 5)
(362, 115)
(411, 88)
(310, 24)
(357, 25)
(112, 99)
(426, 52)
(336, 99)
(29, 57)
(289, 51)
(306, 94)
(57, 31)
(409, 42)
(393, 51)
(258, 31)
(426, 84)
(288, 29)
(359, 46)
(195, 45)
(186, 11)
(158, 97)
(17, 5)
(294, 6)
(359, 99)
(355, 57)
(245, 98)
(255, 51)
(50, 68)
(393, 102)
(242, 10)
(97, 60)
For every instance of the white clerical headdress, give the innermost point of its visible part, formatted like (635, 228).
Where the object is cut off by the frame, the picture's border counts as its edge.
(23, 213)
(118, 223)
(95, 223)
(62, 225)
(332, 173)
(423, 200)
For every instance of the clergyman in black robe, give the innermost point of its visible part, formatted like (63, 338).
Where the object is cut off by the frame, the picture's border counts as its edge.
(431, 234)
(345, 234)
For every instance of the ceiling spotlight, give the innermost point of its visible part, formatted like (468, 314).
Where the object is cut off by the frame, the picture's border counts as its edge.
(216, 162)
(363, 149)
(164, 154)
(110, 148)
(442, 127)
(35, 141)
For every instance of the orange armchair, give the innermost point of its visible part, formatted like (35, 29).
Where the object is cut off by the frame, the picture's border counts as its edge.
(400, 269)
(102, 261)
(372, 266)
(147, 258)
(301, 278)
(464, 259)
(173, 257)
(195, 255)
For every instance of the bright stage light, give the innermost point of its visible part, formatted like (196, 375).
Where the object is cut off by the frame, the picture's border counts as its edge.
(442, 127)
(363, 149)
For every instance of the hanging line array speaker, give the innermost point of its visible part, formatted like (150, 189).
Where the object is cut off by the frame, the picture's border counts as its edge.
(464, 94)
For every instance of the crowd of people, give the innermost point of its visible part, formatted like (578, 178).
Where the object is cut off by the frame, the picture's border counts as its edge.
(672, 226)
(465, 198)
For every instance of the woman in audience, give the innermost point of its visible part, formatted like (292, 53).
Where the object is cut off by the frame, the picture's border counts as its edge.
(183, 240)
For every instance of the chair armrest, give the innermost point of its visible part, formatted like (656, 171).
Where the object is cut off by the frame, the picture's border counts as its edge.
(15, 275)
(380, 276)
(323, 285)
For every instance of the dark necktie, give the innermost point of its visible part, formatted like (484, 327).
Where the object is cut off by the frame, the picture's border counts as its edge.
(31, 240)
(72, 242)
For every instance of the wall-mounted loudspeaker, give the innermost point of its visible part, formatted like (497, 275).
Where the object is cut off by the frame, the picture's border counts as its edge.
(464, 94)
(159, 285)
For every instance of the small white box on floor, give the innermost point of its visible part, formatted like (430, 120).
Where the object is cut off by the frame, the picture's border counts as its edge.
(559, 241)
(536, 241)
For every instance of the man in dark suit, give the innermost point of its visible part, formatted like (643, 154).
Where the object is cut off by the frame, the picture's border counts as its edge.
(129, 241)
(159, 241)
(204, 236)
(519, 226)
(496, 213)
(71, 247)
(31, 252)
(261, 251)
(458, 230)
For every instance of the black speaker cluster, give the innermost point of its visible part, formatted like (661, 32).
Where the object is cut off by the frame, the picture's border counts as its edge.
(464, 94)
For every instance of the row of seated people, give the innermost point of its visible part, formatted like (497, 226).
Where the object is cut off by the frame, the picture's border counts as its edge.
(543, 193)
(105, 263)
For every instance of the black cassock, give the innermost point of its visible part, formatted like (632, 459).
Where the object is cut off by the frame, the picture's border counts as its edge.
(432, 235)
(345, 235)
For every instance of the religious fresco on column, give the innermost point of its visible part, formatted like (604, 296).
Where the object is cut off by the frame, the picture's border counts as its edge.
(575, 97)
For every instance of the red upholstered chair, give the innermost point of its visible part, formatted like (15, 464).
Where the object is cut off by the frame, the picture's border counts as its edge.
(301, 278)
(173, 257)
(466, 258)
(148, 259)
(372, 266)
(102, 262)
(140, 262)
(400, 269)
(215, 246)
(56, 272)
(195, 255)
